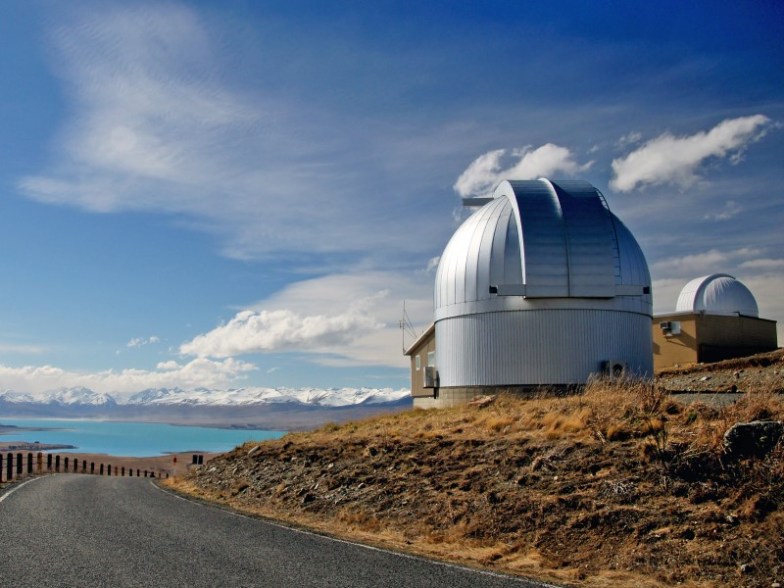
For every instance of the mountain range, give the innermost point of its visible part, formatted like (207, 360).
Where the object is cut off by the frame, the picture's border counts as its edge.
(279, 408)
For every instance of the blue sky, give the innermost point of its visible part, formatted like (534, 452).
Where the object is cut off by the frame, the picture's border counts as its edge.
(226, 194)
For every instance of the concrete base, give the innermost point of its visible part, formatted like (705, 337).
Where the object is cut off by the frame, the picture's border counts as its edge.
(449, 397)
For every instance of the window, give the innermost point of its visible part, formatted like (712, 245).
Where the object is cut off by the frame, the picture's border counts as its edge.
(431, 359)
(418, 362)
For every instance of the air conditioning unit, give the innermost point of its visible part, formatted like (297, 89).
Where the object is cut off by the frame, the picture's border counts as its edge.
(430, 377)
(614, 368)
(670, 328)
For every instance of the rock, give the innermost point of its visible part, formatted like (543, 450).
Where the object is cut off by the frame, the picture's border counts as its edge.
(482, 401)
(254, 450)
(754, 439)
(704, 378)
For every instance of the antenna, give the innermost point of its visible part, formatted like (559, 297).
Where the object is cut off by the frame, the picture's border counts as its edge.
(406, 327)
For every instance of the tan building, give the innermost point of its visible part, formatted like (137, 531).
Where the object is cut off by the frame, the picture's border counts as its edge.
(716, 318)
(424, 382)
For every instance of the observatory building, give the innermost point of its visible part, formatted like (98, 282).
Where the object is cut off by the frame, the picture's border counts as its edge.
(542, 285)
(715, 318)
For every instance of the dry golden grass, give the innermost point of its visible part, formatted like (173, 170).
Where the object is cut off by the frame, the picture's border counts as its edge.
(617, 486)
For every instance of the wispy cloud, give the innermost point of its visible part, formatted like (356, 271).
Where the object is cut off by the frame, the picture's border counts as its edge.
(141, 341)
(160, 120)
(22, 349)
(668, 159)
(694, 265)
(525, 163)
(730, 210)
(763, 264)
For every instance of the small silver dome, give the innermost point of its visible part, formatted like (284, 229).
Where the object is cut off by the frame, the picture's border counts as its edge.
(717, 294)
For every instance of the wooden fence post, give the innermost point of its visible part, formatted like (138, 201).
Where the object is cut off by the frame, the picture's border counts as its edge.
(84, 466)
(109, 470)
(138, 473)
(40, 462)
(123, 471)
(65, 465)
(19, 459)
(9, 466)
(102, 469)
(92, 467)
(48, 462)
(1, 467)
(29, 463)
(57, 463)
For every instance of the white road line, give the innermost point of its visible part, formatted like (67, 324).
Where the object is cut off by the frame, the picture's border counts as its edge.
(347, 542)
(15, 488)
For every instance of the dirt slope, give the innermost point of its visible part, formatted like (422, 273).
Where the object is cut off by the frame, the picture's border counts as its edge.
(620, 486)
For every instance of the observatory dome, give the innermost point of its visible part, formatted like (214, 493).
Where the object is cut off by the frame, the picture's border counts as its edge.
(717, 294)
(542, 285)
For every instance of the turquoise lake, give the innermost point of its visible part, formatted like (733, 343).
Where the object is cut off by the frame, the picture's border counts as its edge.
(131, 439)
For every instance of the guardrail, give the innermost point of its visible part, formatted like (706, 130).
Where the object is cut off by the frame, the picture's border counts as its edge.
(19, 465)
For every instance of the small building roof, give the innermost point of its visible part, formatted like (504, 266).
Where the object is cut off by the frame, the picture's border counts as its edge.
(419, 341)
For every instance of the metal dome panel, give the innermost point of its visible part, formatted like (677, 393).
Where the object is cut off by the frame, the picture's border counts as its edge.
(717, 294)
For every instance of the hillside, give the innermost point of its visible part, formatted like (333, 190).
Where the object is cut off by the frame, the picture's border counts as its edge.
(620, 486)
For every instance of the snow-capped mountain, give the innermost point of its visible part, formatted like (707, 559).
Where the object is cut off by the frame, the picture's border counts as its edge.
(252, 396)
(271, 408)
(331, 397)
(60, 397)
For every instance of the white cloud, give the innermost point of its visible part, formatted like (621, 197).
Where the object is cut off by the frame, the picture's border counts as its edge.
(630, 139)
(281, 330)
(199, 372)
(163, 119)
(700, 264)
(22, 348)
(668, 159)
(340, 320)
(487, 170)
(731, 209)
(763, 264)
(141, 341)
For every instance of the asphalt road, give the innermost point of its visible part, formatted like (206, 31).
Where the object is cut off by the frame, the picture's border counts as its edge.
(90, 531)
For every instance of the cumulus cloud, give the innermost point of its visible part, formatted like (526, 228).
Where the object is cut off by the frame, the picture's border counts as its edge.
(280, 330)
(526, 163)
(668, 159)
(195, 373)
(338, 320)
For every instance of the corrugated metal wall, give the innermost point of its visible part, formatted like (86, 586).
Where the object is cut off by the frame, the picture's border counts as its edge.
(540, 346)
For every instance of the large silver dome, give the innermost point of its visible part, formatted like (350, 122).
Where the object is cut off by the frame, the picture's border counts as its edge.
(540, 286)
